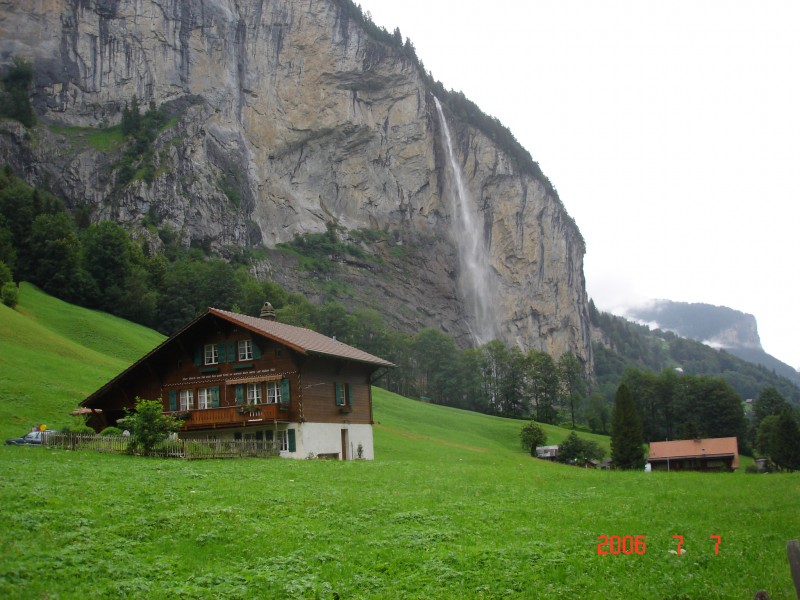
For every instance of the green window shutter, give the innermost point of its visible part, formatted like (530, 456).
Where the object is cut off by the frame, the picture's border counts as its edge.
(256, 350)
(173, 400)
(339, 394)
(292, 442)
(215, 397)
(240, 394)
(233, 352)
(285, 390)
(221, 352)
(349, 394)
(198, 356)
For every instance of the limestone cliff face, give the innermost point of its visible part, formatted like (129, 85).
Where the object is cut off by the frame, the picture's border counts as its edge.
(288, 116)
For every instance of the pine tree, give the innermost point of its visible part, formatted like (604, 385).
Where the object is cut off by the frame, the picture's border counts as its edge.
(627, 435)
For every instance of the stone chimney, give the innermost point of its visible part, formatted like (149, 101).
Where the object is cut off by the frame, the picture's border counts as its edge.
(267, 312)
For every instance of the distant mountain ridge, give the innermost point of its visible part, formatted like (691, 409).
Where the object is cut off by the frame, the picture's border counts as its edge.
(716, 326)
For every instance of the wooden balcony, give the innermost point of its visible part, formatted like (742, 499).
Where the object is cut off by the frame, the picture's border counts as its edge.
(232, 416)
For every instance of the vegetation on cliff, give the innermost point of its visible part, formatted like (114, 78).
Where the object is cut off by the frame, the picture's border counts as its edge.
(15, 102)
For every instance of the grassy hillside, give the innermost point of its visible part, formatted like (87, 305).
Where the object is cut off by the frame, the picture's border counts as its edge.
(54, 354)
(450, 508)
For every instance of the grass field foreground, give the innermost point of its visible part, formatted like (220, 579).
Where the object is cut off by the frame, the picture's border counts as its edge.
(450, 508)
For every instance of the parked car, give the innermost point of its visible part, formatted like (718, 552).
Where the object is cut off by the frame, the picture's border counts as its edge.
(34, 438)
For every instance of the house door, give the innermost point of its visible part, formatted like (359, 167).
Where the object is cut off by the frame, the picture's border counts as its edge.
(344, 444)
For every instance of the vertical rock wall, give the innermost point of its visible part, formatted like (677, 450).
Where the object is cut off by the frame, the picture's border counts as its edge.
(291, 105)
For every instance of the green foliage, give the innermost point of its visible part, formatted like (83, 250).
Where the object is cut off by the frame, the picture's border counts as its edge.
(322, 252)
(111, 431)
(635, 346)
(5, 274)
(599, 415)
(626, 432)
(576, 450)
(765, 435)
(785, 443)
(770, 402)
(149, 426)
(140, 132)
(15, 101)
(9, 294)
(572, 384)
(77, 427)
(671, 405)
(532, 435)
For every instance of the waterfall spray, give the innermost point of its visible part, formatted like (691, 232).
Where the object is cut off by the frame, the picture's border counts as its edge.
(475, 275)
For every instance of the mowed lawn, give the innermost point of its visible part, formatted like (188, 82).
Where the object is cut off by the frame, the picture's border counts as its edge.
(450, 508)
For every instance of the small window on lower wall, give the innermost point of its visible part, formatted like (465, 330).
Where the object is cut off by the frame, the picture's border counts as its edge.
(287, 441)
(344, 395)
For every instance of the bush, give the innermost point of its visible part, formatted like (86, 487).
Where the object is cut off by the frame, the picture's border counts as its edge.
(78, 427)
(10, 294)
(149, 426)
(111, 431)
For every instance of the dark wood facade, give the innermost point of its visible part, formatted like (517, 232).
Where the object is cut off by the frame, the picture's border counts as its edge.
(225, 371)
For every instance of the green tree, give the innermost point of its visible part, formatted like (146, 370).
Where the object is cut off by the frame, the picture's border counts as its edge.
(149, 425)
(598, 414)
(627, 436)
(5, 274)
(532, 435)
(572, 383)
(54, 256)
(786, 443)
(769, 402)
(15, 100)
(8, 254)
(107, 256)
(765, 435)
(577, 450)
(543, 385)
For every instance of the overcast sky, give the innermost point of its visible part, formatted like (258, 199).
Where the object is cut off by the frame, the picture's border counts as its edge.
(670, 129)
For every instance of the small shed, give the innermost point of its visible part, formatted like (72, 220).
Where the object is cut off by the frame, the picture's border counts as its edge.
(547, 452)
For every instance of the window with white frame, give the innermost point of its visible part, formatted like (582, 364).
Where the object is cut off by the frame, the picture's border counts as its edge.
(187, 397)
(245, 350)
(254, 393)
(204, 398)
(283, 440)
(273, 392)
(212, 354)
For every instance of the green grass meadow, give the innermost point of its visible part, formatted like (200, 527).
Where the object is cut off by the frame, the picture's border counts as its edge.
(450, 508)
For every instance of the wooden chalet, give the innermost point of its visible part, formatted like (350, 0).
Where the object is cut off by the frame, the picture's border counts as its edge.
(232, 376)
(710, 454)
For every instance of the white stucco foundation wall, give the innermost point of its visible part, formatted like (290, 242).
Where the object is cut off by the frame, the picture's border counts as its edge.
(326, 438)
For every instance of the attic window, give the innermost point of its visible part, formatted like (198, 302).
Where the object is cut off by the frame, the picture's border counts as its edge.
(212, 354)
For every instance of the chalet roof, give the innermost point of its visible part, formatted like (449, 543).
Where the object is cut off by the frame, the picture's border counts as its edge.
(299, 338)
(699, 448)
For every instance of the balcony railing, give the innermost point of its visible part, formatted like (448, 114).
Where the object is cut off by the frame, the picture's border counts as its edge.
(231, 416)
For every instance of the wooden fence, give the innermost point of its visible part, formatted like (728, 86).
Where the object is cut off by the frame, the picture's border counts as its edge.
(188, 449)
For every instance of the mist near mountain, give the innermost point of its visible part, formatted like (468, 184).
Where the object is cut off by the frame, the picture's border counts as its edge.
(720, 327)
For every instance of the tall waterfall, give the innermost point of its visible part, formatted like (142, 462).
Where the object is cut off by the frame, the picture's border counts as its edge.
(475, 275)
